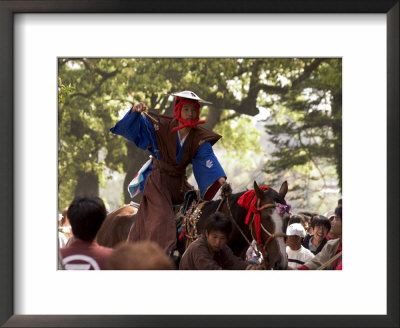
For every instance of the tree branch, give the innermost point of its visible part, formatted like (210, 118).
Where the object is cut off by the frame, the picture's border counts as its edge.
(307, 71)
(303, 76)
(96, 88)
(230, 117)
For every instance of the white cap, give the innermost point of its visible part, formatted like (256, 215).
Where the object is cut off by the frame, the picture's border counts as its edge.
(190, 95)
(296, 229)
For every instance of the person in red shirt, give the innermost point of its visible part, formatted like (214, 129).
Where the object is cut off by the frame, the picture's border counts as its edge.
(86, 215)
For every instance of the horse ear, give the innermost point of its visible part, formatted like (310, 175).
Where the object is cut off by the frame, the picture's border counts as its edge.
(283, 190)
(259, 192)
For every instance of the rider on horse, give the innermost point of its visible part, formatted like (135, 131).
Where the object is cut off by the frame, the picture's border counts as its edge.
(174, 143)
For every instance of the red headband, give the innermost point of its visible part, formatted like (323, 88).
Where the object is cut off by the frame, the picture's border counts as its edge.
(179, 102)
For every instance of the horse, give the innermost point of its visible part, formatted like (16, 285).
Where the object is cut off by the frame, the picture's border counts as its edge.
(273, 225)
(118, 223)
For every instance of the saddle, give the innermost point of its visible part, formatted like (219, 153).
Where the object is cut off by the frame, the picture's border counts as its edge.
(190, 210)
(188, 216)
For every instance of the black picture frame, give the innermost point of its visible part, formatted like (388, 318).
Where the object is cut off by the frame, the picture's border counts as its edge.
(7, 11)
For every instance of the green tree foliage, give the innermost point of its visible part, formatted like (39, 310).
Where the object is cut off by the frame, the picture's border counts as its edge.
(99, 90)
(94, 94)
(305, 126)
(233, 140)
(83, 122)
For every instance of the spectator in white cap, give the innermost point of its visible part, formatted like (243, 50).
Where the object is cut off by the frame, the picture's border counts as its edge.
(297, 254)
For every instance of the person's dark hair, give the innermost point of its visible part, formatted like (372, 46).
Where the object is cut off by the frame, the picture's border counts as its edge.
(296, 218)
(339, 202)
(86, 215)
(320, 220)
(338, 212)
(219, 222)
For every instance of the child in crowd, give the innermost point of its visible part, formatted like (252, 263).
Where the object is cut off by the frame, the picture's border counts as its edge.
(297, 254)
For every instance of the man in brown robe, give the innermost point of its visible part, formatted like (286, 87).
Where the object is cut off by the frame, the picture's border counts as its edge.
(174, 143)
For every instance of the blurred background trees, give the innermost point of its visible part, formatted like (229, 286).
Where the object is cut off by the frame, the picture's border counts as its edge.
(281, 119)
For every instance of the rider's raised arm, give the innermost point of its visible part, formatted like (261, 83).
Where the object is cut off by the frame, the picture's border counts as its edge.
(207, 171)
(136, 128)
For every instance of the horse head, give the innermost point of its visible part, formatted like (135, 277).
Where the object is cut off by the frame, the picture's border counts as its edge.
(273, 225)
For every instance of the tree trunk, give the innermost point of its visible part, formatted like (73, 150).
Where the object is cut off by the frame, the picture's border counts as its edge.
(213, 118)
(88, 183)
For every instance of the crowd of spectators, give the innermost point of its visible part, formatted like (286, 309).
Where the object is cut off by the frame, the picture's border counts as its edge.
(313, 242)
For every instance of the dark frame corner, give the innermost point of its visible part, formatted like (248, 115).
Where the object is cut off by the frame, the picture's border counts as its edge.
(7, 10)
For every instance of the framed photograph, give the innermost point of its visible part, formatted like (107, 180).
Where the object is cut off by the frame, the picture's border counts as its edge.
(33, 34)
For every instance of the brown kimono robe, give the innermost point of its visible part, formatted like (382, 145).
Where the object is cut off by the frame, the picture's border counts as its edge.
(166, 185)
